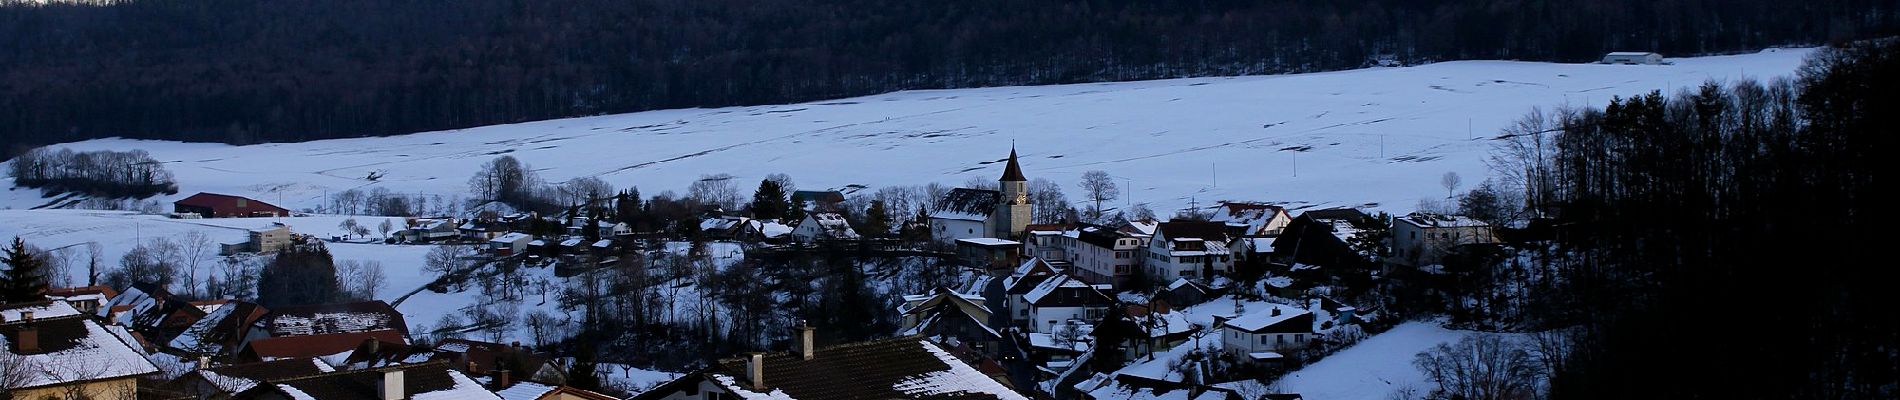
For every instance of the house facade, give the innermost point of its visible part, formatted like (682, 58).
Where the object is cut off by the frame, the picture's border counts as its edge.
(1063, 298)
(1268, 335)
(1103, 255)
(1188, 249)
(824, 226)
(1422, 239)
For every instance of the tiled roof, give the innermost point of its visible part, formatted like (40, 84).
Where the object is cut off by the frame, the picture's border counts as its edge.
(317, 345)
(70, 349)
(333, 318)
(429, 381)
(967, 204)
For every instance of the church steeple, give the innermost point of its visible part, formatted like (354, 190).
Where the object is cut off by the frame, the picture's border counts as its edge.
(1013, 172)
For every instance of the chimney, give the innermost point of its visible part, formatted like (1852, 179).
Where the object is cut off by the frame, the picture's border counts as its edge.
(26, 316)
(471, 367)
(502, 380)
(804, 340)
(755, 370)
(375, 346)
(29, 337)
(392, 385)
(204, 362)
(1276, 311)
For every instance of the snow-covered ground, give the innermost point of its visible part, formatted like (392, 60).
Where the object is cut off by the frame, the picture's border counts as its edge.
(1371, 136)
(1372, 369)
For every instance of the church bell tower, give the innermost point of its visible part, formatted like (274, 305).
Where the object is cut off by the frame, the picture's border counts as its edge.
(1012, 213)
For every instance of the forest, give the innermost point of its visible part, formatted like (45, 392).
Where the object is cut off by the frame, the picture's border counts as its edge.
(250, 71)
(1717, 236)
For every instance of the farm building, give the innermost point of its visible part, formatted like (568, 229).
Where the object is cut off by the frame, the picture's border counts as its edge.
(1633, 57)
(213, 205)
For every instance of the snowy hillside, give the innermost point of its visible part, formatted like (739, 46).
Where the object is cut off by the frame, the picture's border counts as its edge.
(1374, 136)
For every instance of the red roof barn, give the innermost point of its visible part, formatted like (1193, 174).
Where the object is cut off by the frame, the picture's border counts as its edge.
(213, 205)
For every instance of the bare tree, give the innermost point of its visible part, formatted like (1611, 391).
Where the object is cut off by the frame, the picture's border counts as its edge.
(1098, 187)
(386, 227)
(194, 248)
(361, 279)
(1451, 180)
(784, 182)
(1047, 203)
(715, 189)
(584, 190)
(93, 258)
(978, 182)
(539, 323)
(1481, 367)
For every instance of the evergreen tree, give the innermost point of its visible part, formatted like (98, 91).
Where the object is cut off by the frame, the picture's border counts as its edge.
(769, 201)
(298, 276)
(794, 212)
(25, 278)
(877, 220)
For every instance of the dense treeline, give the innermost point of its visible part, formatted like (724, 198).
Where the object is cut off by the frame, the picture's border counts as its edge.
(1723, 242)
(104, 173)
(244, 71)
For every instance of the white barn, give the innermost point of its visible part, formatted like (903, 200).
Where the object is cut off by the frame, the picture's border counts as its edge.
(1633, 58)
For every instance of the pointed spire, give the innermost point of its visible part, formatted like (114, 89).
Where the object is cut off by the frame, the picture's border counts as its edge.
(1013, 172)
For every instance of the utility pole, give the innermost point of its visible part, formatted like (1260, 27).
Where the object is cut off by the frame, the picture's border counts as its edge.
(1381, 146)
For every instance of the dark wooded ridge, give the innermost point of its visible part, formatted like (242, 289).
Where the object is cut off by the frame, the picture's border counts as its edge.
(245, 71)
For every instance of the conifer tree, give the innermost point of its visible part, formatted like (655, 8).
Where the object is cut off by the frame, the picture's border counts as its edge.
(25, 278)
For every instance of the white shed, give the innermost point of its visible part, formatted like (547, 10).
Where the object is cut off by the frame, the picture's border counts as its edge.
(1633, 58)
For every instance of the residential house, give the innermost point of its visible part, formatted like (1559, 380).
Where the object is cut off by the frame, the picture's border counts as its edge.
(213, 205)
(481, 358)
(1423, 239)
(151, 311)
(1188, 249)
(220, 333)
(53, 351)
(529, 390)
(429, 230)
(989, 254)
(1063, 298)
(1321, 237)
(965, 213)
(86, 299)
(510, 244)
(270, 238)
(897, 368)
(1149, 328)
(824, 226)
(764, 231)
(723, 227)
(224, 381)
(1188, 292)
(1267, 335)
(1045, 241)
(484, 226)
(1251, 219)
(322, 329)
(1024, 279)
(433, 380)
(1103, 255)
(950, 316)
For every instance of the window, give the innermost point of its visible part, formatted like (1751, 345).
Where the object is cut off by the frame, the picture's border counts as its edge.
(1263, 339)
(1279, 339)
(1299, 337)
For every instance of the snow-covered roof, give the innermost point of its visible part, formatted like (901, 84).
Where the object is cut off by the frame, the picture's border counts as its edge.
(572, 242)
(990, 242)
(321, 319)
(830, 224)
(40, 310)
(905, 367)
(71, 348)
(1631, 53)
(1051, 285)
(1287, 319)
(1424, 220)
(525, 391)
(604, 243)
(512, 237)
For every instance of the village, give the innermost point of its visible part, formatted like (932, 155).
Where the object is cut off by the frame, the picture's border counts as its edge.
(1213, 303)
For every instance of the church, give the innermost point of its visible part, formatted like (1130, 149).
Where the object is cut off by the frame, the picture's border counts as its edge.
(981, 213)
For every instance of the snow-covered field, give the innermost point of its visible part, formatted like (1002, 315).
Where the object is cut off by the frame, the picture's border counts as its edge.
(1372, 136)
(1372, 369)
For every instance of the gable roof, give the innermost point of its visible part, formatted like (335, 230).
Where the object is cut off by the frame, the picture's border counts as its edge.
(1347, 214)
(1066, 291)
(1288, 320)
(967, 204)
(1204, 230)
(237, 378)
(1249, 218)
(530, 390)
(1097, 235)
(71, 349)
(319, 319)
(830, 224)
(223, 327)
(897, 368)
(1427, 220)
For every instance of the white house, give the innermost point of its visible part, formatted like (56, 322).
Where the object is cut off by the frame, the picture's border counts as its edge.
(1422, 238)
(510, 244)
(1188, 249)
(1103, 255)
(1026, 278)
(1265, 335)
(824, 225)
(1252, 219)
(1062, 298)
(1633, 58)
